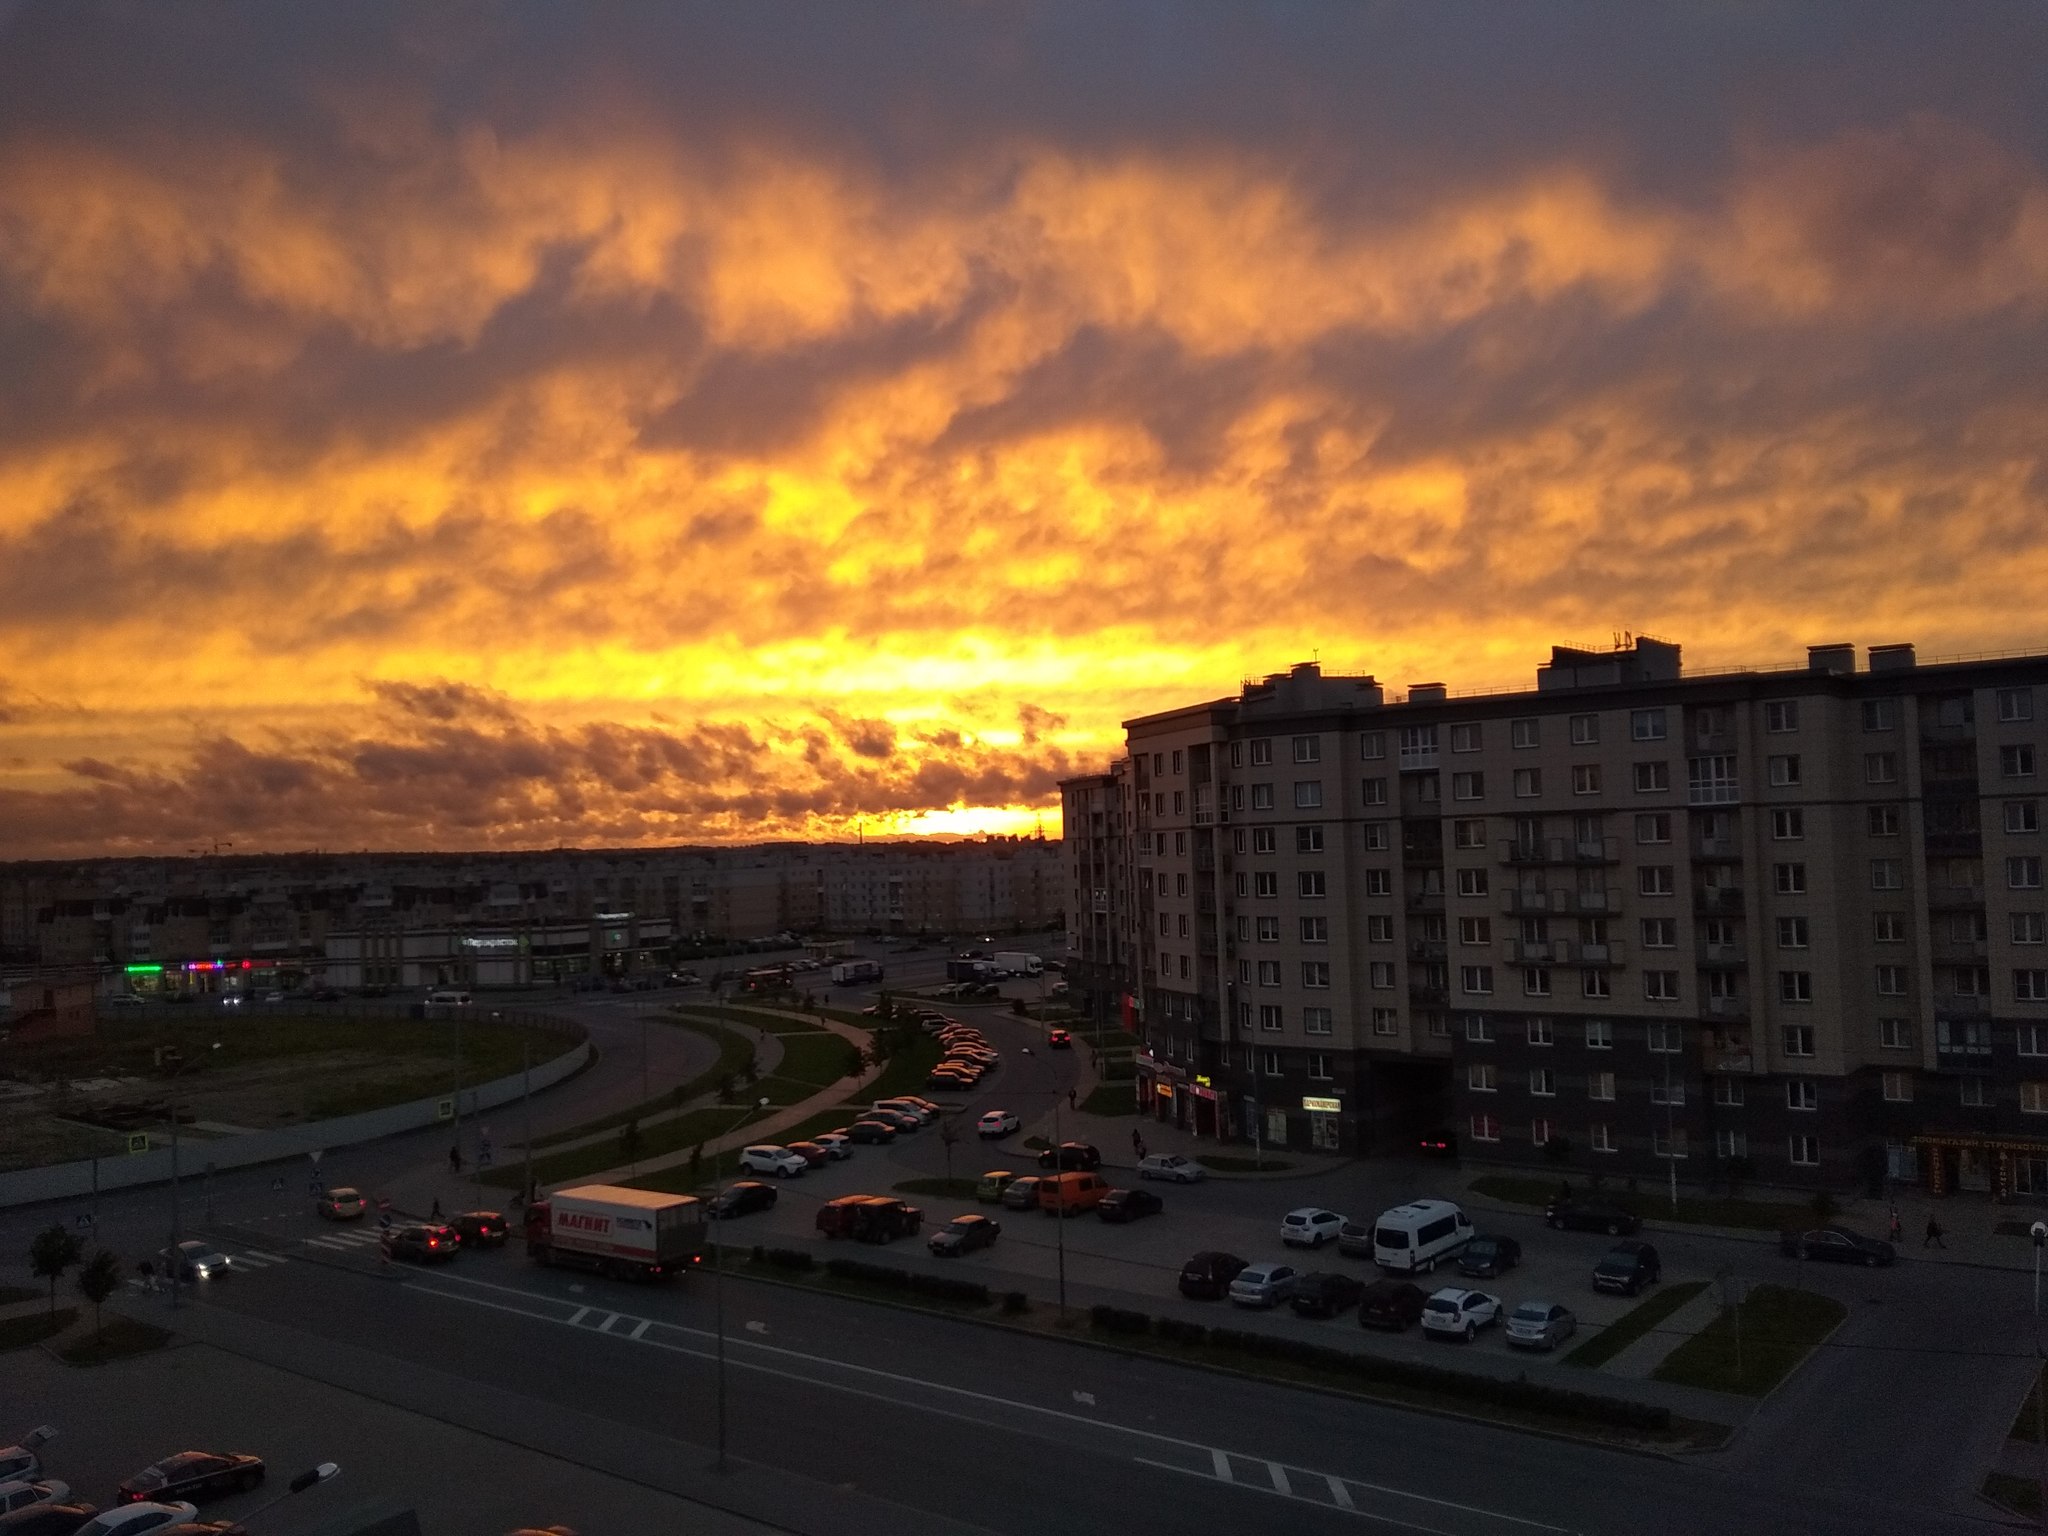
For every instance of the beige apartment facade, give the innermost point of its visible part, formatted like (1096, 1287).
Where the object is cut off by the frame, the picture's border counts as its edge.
(1779, 925)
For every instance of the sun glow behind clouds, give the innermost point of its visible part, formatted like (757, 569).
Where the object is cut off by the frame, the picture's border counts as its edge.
(862, 448)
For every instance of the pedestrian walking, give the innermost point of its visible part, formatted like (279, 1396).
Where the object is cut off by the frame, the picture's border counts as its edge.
(1898, 1228)
(437, 1208)
(1073, 1099)
(455, 1159)
(1933, 1237)
(1138, 1145)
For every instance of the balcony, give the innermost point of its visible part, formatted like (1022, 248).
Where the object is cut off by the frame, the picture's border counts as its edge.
(1717, 900)
(1426, 901)
(1430, 993)
(1533, 903)
(1716, 849)
(1539, 951)
(1728, 1008)
(1427, 949)
(1414, 759)
(1728, 1059)
(1955, 845)
(1560, 850)
(1962, 1005)
(1958, 951)
(1950, 898)
(1723, 957)
(1597, 955)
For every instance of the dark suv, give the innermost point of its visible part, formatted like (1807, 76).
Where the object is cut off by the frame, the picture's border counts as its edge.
(1207, 1276)
(1627, 1268)
(480, 1229)
(1071, 1154)
(434, 1244)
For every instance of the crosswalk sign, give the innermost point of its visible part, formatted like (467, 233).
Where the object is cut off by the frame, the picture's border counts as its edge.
(138, 1141)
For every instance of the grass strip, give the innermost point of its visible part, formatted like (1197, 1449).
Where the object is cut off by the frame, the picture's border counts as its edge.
(1218, 1163)
(1773, 1330)
(119, 1338)
(1693, 1210)
(10, 1294)
(734, 1052)
(1110, 1099)
(1633, 1324)
(937, 1189)
(2025, 1421)
(34, 1327)
(2021, 1495)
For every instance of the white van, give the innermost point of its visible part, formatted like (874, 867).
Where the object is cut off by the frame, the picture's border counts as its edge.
(449, 998)
(1411, 1238)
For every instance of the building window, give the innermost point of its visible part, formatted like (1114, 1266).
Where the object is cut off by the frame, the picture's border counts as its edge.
(1536, 981)
(1601, 1137)
(1315, 973)
(1180, 844)
(1270, 1017)
(1464, 738)
(1262, 797)
(1375, 791)
(1475, 930)
(1468, 786)
(1524, 733)
(1670, 1093)
(1790, 879)
(2015, 705)
(1482, 1077)
(2023, 873)
(1244, 929)
(1376, 840)
(1664, 1039)
(1472, 882)
(1883, 820)
(1898, 1087)
(1788, 825)
(2025, 927)
(1315, 930)
(1655, 880)
(1784, 770)
(1667, 1141)
(1311, 883)
(1380, 975)
(1795, 986)
(1539, 1132)
(1653, 827)
(1266, 882)
(1880, 768)
(1593, 984)
(1270, 1063)
(1792, 933)
(1894, 1035)
(1543, 1082)
(2034, 1098)
(1798, 1039)
(1269, 930)
(1802, 1093)
(1652, 778)
(1379, 882)
(1728, 1091)
(1781, 715)
(2016, 762)
(1269, 973)
(1528, 783)
(1539, 1032)
(1308, 795)
(1237, 754)
(1891, 981)
(1318, 1065)
(1880, 714)
(1183, 967)
(1478, 1029)
(1477, 980)
(1974, 1095)
(1585, 730)
(1586, 779)
(2030, 986)
(1804, 1151)
(1660, 932)
(2022, 816)
(1308, 839)
(1265, 840)
(1372, 746)
(1600, 1086)
(1731, 1144)
(1308, 749)
(1379, 929)
(1485, 1128)
(1600, 1034)
(1262, 753)
(1385, 1021)
(1888, 927)
(1886, 875)
(1469, 832)
(1646, 725)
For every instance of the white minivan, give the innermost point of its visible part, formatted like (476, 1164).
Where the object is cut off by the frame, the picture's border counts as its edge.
(448, 997)
(1411, 1238)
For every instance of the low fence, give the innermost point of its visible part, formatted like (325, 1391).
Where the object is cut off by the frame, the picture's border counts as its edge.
(66, 1181)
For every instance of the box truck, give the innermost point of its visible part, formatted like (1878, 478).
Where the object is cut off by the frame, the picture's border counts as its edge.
(849, 972)
(1013, 962)
(629, 1234)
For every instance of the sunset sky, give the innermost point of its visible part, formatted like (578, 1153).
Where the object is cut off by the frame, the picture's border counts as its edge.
(518, 425)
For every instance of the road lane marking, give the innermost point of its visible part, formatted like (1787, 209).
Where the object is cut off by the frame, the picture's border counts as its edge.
(328, 1243)
(606, 1325)
(1279, 1475)
(641, 1327)
(1339, 1494)
(1217, 1458)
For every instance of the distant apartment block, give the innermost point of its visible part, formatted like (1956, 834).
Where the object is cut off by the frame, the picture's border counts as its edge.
(1785, 924)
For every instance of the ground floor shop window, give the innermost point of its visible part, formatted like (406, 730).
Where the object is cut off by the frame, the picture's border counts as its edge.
(1322, 1132)
(2030, 1175)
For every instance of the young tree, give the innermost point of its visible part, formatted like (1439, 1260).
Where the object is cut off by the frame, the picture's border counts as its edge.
(949, 1138)
(98, 1280)
(856, 1060)
(55, 1249)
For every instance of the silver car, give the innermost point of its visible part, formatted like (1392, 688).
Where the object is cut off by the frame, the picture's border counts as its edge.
(1540, 1325)
(1264, 1285)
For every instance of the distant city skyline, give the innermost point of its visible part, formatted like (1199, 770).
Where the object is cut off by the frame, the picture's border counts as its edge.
(673, 425)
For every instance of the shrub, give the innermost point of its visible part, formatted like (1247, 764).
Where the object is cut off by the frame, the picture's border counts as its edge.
(789, 1258)
(1181, 1332)
(1119, 1319)
(1016, 1301)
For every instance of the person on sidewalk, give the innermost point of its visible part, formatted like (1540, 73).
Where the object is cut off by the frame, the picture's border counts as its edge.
(1073, 1099)
(1138, 1145)
(1898, 1228)
(455, 1159)
(436, 1213)
(1933, 1236)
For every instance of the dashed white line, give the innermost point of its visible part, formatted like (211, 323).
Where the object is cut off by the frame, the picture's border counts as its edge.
(1339, 1494)
(1222, 1465)
(606, 1325)
(641, 1327)
(576, 1320)
(1279, 1475)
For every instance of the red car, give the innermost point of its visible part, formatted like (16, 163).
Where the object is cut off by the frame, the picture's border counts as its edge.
(1059, 1039)
(810, 1152)
(192, 1476)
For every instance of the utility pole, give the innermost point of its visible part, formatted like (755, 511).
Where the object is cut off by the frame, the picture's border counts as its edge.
(177, 1223)
(526, 1108)
(1670, 1133)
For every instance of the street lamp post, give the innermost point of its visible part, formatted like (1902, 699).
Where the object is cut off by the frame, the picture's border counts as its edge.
(718, 1306)
(1059, 1211)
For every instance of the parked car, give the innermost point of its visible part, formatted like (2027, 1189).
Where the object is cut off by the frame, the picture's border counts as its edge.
(133, 1519)
(990, 1186)
(1391, 1304)
(904, 1121)
(1591, 1216)
(995, 1124)
(1437, 1144)
(741, 1199)
(869, 1218)
(23, 1460)
(1264, 1285)
(1326, 1293)
(925, 1104)
(1171, 1165)
(1070, 1154)
(837, 1144)
(1121, 1205)
(871, 1133)
(1489, 1255)
(1059, 1039)
(341, 1204)
(64, 1519)
(1021, 1194)
(480, 1229)
(1309, 1227)
(1838, 1245)
(1354, 1239)
(423, 1243)
(1207, 1276)
(1455, 1313)
(191, 1476)
(814, 1155)
(949, 1080)
(964, 1234)
(915, 1108)
(20, 1495)
(780, 1161)
(1540, 1325)
(194, 1260)
(1627, 1268)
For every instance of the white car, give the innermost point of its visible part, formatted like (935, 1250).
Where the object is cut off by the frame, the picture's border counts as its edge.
(133, 1519)
(1264, 1285)
(912, 1107)
(20, 1461)
(997, 1122)
(836, 1146)
(1171, 1165)
(780, 1161)
(1457, 1314)
(1310, 1227)
(19, 1495)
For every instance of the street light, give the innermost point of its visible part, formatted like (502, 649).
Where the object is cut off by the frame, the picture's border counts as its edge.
(1058, 1140)
(718, 1303)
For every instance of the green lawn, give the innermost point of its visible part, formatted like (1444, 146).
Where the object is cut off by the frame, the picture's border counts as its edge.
(1693, 1210)
(665, 1136)
(34, 1327)
(1778, 1328)
(905, 1073)
(1610, 1341)
(1110, 1099)
(1221, 1164)
(734, 1051)
(818, 1059)
(118, 1338)
(2024, 1422)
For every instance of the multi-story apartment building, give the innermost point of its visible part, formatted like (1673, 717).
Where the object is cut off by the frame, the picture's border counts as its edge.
(1786, 924)
(1101, 922)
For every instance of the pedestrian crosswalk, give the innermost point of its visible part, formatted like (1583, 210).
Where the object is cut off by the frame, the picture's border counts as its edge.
(346, 1241)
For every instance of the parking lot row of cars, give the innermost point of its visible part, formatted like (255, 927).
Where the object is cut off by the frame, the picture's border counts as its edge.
(161, 1499)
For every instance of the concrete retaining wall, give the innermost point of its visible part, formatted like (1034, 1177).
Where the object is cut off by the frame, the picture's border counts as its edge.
(65, 1181)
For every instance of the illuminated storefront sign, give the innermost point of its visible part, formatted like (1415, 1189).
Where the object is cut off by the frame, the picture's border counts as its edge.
(491, 943)
(1323, 1106)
